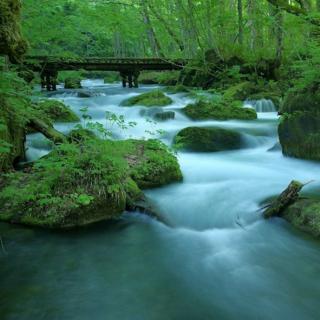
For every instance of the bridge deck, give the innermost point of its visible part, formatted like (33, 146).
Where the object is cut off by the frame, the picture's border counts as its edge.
(39, 63)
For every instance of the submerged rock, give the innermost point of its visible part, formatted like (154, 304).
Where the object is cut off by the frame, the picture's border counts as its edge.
(149, 99)
(179, 88)
(72, 83)
(84, 94)
(304, 214)
(207, 139)
(85, 182)
(165, 115)
(219, 110)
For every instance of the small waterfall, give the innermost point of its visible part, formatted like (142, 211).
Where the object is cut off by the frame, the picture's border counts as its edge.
(262, 105)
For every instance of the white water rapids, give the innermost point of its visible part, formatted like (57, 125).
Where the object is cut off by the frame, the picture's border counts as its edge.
(219, 260)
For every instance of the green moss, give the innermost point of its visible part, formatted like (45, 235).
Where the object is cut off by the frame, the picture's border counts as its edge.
(72, 83)
(111, 77)
(11, 41)
(92, 180)
(219, 110)
(239, 91)
(57, 111)
(207, 139)
(149, 77)
(155, 167)
(299, 135)
(254, 91)
(149, 99)
(304, 214)
(306, 99)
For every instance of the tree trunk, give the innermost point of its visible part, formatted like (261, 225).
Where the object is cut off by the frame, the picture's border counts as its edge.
(47, 130)
(252, 24)
(240, 22)
(165, 24)
(154, 43)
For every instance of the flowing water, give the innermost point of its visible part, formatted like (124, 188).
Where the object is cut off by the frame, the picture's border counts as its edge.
(219, 259)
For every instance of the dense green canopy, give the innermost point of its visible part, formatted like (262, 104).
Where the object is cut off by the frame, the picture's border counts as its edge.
(170, 28)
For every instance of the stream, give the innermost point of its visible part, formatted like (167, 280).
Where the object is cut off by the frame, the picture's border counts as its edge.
(217, 259)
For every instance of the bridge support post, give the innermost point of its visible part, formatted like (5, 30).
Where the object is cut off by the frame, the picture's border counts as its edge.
(49, 80)
(136, 78)
(130, 80)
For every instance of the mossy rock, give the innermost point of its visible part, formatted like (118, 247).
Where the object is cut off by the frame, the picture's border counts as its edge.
(85, 94)
(304, 214)
(149, 99)
(165, 115)
(306, 99)
(219, 110)
(299, 135)
(85, 182)
(72, 83)
(57, 111)
(207, 139)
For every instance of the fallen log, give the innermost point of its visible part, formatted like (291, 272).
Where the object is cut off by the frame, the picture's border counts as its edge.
(47, 130)
(286, 198)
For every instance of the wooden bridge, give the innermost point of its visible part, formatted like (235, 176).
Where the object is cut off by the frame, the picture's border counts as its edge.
(129, 68)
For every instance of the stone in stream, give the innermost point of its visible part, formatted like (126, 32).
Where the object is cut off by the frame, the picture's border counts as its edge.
(207, 139)
(86, 181)
(84, 94)
(299, 128)
(165, 115)
(149, 99)
(219, 110)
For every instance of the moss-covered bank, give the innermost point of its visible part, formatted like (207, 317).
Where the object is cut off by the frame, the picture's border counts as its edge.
(85, 182)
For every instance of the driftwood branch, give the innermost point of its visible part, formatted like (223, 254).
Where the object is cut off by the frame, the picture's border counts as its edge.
(287, 197)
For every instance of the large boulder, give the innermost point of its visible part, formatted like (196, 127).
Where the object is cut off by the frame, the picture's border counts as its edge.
(218, 110)
(207, 139)
(304, 214)
(149, 99)
(86, 181)
(299, 128)
(299, 135)
(305, 99)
